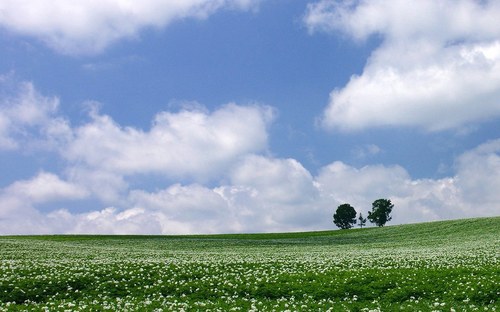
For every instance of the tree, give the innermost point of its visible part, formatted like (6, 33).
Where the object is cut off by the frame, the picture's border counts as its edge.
(381, 212)
(362, 221)
(345, 216)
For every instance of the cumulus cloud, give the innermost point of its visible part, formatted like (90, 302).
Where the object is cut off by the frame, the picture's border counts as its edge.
(191, 143)
(109, 220)
(437, 67)
(26, 115)
(264, 175)
(415, 200)
(263, 194)
(100, 156)
(86, 27)
(250, 192)
(478, 177)
(46, 187)
(471, 192)
(109, 187)
(274, 194)
(19, 201)
(360, 186)
(187, 209)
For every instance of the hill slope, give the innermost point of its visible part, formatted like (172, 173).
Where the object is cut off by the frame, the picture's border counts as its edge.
(437, 266)
(450, 231)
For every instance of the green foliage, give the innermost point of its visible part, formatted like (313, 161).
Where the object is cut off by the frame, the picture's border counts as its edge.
(345, 216)
(381, 212)
(438, 266)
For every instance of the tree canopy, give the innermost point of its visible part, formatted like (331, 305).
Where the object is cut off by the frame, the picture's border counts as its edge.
(381, 212)
(345, 216)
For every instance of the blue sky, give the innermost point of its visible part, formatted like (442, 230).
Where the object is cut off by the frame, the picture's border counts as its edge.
(204, 116)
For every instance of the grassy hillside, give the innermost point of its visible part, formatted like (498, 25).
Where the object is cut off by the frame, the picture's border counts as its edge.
(437, 266)
(419, 234)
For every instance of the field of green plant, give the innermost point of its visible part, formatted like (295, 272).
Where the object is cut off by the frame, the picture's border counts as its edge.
(439, 266)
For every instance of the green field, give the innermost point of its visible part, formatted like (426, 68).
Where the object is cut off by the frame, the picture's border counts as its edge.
(438, 266)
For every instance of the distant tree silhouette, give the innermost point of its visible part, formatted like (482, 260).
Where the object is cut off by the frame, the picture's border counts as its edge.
(362, 221)
(381, 212)
(345, 216)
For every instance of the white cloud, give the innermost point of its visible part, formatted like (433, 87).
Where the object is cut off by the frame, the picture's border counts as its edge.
(101, 155)
(276, 180)
(478, 177)
(187, 209)
(360, 187)
(415, 200)
(190, 143)
(108, 187)
(89, 26)
(26, 115)
(265, 194)
(19, 201)
(46, 187)
(471, 192)
(438, 66)
(262, 195)
(106, 221)
(275, 195)
(256, 193)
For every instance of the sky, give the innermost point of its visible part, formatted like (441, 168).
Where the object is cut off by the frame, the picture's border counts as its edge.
(237, 116)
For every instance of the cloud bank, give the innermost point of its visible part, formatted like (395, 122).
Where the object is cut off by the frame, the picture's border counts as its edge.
(437, 66)
(89, 26)
(190, 143)
(250, 190)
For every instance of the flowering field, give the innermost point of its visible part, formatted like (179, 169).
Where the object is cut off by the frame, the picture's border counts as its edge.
(440, 266)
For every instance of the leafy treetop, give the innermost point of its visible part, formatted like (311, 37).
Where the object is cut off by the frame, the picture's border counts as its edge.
(381, 212)
(345, 216)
